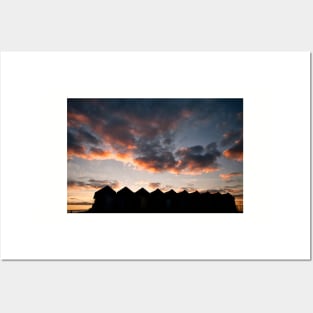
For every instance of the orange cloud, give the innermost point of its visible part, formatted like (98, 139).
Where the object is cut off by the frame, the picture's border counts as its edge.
(79, 152)
(125, 157)
(74, 119)
(194, 169)
(98, 154)
(93, 154)
(228, 176)
(146, 165)
(235, 152)
(238, 156)
(153, 165)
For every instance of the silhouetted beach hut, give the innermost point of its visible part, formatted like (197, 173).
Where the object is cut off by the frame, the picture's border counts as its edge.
(183, 200)
(125, 199)
(216, 202)
(205, 203)
(194, 198)
(228, 203)
(170, 200)
(104, 200)
(157, 202)
(142, 199)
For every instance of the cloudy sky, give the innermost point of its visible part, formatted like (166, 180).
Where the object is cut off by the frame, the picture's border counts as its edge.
(191, 144)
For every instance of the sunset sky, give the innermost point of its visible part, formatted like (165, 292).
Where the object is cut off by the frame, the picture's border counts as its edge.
(191, 144)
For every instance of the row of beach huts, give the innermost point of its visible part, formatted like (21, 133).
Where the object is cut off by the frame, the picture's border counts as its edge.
(106, 200)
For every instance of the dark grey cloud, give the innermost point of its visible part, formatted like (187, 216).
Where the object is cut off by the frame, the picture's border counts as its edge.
(80, 140)
(93, 183)
(84, 134)
(74, 145)
(154, 185)
(198, 157)
(231, 137)
(155, 155)
(235, 152)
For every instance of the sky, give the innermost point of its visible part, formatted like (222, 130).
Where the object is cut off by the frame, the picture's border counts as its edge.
(179, 144)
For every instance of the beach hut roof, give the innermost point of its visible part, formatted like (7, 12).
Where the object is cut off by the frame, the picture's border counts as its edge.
(142, 191)
(195, 192)
(217, 194)
(125, 190)
(157, 192)
(171, 192)
(106, 190)
(184, 192)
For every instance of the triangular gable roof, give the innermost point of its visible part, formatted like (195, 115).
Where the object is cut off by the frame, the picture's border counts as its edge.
(195, 193)
(125, 191)
(106, 190)
(184, 193)
(142, 191)
(157, 192)
(207, 193)
(171, 192)
(217, 194)
(228, 194)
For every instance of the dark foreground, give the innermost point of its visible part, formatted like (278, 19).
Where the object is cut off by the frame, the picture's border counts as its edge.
(125, 201)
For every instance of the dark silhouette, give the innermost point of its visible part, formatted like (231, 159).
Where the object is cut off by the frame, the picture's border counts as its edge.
(105, 200)
(125, 201)
(170, 200)
(142, 200)
(157, 200)
(205, 202)
(194, 200)
(183, 200)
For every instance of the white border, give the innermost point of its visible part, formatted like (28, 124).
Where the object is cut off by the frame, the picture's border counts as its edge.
(276, 91)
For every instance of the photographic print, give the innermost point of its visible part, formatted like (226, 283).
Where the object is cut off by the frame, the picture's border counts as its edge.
(155, 155)
(153, 143)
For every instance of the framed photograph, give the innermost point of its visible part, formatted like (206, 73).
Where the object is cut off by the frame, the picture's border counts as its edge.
(181, 155)
(155, 155)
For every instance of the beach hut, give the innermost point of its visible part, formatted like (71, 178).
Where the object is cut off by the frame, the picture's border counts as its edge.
(194, 199)
(157, 203)
(205, 203)
(170, 201)
(183, 201)
(228, 204)
(216, 203)
(104, 200)
(142, 199)
(125, 200)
